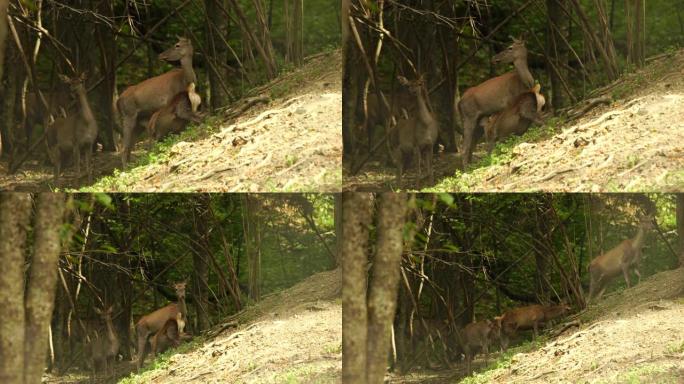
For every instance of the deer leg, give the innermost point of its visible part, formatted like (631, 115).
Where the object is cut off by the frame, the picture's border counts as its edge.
(128, 132)
(77, 159)
(142, 344)
(428, 157)
(468, 132)
(625, 273)
(88, 163)
(638, 275)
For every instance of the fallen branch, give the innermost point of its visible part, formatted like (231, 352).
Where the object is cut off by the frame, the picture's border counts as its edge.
(555, 173)
(590, 104)
(247, 104)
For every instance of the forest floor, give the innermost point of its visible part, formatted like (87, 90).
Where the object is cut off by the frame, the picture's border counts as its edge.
(634, 143)
(631, 336)
(293, 336)
(283, 136)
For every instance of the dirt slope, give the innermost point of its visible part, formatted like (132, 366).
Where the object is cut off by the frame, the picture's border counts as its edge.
(290, 143)
(292, 336)
(636, 335)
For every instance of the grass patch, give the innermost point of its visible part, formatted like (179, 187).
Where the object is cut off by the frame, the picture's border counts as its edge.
(161, 362)
(502, 154)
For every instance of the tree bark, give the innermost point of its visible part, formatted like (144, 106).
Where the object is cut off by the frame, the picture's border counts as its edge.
(357, 214)
(4, 4)
(556, 49)
(252, 230)
(216, 24)
(15, 210)
(42, 279)
(680, 226)
(382, 297)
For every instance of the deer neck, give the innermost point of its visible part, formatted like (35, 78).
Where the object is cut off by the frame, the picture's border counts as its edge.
(86, 112)
(182, 308)
(524, 72)
(110, 332)
(188, 72)
(423, 108)
(638, 240)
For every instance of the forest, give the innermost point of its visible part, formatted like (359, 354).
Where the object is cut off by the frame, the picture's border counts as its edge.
(93, 89)
(555, 90)
(519, 288)
(114, 280)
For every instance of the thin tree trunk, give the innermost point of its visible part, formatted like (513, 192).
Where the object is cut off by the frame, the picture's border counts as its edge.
(252, 235)
(556, 50)
(357, 214)
(15, 211)
(216, 24)
(382, 297)
(298, 35)
(680, 226)
(4, 4)
(42, 279)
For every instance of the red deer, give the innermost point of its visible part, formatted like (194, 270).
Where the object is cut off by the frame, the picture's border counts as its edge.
(103, 351)
(37, 114)
(492, 96)
(75, 133)
(416, 134)
(621, 259)
(516, 118)
(529, 317)
(478, 336)
(138, 102)
(174, 117)
(152, 323)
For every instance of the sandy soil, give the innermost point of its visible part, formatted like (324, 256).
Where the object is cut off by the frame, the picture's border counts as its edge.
(291, 336)
(634, 144)
(293, 143)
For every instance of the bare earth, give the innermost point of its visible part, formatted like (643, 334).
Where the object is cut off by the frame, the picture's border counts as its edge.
(292, 336)
(634, 144)
(292, 143)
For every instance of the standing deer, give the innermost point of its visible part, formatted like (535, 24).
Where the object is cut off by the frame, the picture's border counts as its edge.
(417, 133)
(103, 351)
(492, 96)
(75, 133)
(169, 336)
(140, 101)
(622, 258)
(152, 323)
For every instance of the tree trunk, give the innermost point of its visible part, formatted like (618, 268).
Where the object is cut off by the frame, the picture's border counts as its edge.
(357, 210)
(3, 36)
(680, 227)
(216, 24)
(298, 35)
(40, 293)
(640, 33)
(556, 50)
(338, 229)
(15, 210)
(382, 297)
(252, 235)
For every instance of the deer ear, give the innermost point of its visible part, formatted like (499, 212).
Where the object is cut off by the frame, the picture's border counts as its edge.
(64, 78)
(402, 80)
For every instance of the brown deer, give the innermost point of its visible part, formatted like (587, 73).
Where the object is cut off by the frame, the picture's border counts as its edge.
(478, 336)
(492, 96)
(138, 102)
(152, 323)
(103, 351)
(37, 114)
(528, 317)
(174, 117)
(75, 133)
(516, 118)
(416, 134)
(621, 259)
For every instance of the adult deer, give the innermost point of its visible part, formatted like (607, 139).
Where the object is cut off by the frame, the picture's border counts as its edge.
(75, 133)
(622, 258)
(103, 351)
(418, 132)
(140, 101)
(149, 325)
(492, 96)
